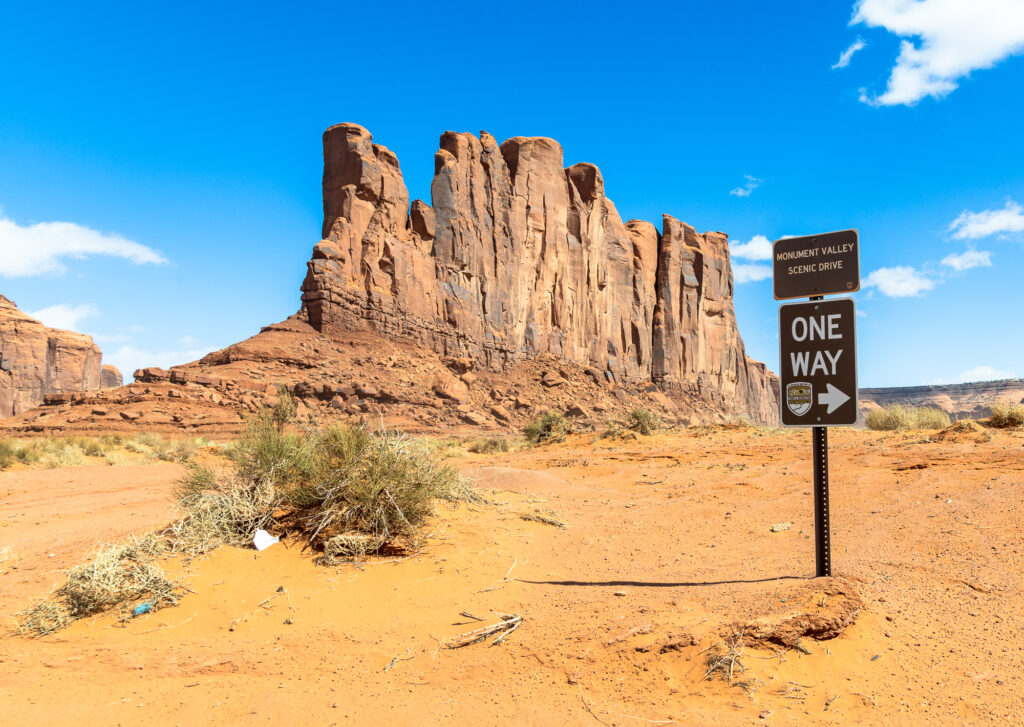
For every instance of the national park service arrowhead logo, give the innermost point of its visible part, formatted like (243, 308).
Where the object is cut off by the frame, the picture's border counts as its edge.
(798, 397)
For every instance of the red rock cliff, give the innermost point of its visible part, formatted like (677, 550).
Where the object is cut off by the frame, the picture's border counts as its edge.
(520, 257)
(36, 360)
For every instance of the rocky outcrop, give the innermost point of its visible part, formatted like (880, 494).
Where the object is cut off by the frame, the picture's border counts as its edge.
(36, 360)
(520, 258)
(110, 377)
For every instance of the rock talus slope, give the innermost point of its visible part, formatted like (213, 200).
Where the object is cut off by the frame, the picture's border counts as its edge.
(36, 360)
(520, 258)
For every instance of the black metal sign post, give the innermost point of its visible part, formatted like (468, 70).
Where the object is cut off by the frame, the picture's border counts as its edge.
(818, 372)
(822, 530)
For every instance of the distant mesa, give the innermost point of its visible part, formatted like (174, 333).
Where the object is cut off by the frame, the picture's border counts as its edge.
(972, 400)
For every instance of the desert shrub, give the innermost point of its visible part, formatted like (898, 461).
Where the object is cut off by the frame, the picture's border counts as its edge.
(643, 421)
(896, 417)
(380, 485)
(549, 426)
(489, 445)
(1007, 414)
(267, 452)
(8, 450)
(321, 482)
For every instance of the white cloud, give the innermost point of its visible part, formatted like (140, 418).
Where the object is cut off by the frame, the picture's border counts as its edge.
(751, 184)
(978, 373)
(846, 55)
(40, 248)
(130, 358)
(898, 282)
(956, 37)
(743, 273)
(111, 337)
(976, 225)
(968, 259)
(758, 247)
(63, 315)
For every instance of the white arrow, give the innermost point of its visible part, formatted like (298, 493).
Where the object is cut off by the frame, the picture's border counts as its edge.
(834, 398)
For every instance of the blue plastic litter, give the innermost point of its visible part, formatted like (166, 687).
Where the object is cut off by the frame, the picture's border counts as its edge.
(142, 608)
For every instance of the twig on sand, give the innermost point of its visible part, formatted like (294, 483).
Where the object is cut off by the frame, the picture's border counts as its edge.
(509, 623)
(618, 714)
(391, 664)
(829, 703)
(467, 614)
(514, 561)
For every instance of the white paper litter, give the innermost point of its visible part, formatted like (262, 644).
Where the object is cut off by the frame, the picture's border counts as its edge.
(263, 540)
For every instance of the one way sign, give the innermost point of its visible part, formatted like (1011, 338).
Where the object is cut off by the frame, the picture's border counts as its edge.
(819, 363)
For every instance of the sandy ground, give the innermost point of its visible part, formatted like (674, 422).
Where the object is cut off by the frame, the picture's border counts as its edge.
(668, 545)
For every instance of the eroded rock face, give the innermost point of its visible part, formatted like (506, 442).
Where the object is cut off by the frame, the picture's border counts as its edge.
(520, 258)
(36, 360)
(110, 376)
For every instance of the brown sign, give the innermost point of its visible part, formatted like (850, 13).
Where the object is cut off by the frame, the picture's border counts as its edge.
(816, 265)
(818, 370)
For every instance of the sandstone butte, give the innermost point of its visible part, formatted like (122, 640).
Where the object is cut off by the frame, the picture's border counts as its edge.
(519, 257)
(36, 360)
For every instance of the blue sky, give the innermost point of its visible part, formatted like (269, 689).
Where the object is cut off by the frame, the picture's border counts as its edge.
(181, 145)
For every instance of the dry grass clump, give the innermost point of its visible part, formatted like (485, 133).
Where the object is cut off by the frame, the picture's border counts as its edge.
(723, 660)
(119, 576)
(549, 427)
(489, 445)
(897, 417)
(1006, 414)
(644, 422)
(347, 546)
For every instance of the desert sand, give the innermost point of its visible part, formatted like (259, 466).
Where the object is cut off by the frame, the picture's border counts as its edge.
(667, 552)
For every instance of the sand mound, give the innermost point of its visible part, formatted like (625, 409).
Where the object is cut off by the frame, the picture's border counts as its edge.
(959, 431)
(821, 610)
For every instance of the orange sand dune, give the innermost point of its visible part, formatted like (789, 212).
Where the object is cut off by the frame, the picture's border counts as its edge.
(668, 545)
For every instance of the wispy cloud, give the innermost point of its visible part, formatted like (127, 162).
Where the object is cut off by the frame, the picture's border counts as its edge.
(63, 315)
(978, 373)
(41, 248)
(899, 282)
(847, 55)
(977, 225)
(956, 37)
(752, 183)
(750, 273)
(968, 259)
(758, 247)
